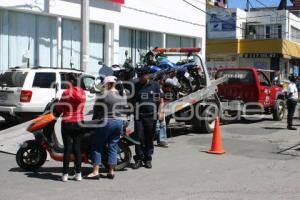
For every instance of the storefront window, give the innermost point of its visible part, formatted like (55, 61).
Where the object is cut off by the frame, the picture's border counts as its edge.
(31, 40)
(27, 40)
(71, 38)
(179, 42)
(156, 40)
(125, 44)
(137, 42)
(96, 47)
(70, 44)
(46, 42)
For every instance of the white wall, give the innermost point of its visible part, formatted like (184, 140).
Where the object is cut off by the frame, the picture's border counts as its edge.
(240, 23)
(293, 21)
(167, 16)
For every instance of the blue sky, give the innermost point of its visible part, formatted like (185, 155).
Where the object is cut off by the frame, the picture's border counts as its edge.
(242, 3)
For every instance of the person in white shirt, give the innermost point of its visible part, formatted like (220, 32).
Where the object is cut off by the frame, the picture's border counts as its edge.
(292, 98)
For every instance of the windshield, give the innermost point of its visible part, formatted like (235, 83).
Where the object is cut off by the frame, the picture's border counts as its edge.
(237, 76)
(13, 79)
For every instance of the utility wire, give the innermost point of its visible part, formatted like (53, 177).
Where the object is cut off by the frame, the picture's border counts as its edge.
(164, 16)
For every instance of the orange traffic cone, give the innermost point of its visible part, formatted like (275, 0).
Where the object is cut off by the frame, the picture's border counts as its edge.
(216, 145)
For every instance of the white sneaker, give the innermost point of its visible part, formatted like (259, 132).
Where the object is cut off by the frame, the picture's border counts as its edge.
(65, 177)
(78, 177)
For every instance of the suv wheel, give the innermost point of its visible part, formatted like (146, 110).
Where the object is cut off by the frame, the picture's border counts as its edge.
(279, 110)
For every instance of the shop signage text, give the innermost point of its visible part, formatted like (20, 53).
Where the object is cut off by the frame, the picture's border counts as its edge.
(262, 55)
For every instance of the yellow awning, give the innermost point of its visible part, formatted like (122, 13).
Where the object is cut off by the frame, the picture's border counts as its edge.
(234, 46)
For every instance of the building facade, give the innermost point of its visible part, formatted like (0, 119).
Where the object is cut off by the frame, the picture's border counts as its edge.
(218, 3)
(266, 39)
(47, 32)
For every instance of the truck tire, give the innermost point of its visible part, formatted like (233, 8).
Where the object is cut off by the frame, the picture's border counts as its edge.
(278, 110)
(207, 122)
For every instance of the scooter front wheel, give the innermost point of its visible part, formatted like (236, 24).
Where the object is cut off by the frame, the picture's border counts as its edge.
(31, 156)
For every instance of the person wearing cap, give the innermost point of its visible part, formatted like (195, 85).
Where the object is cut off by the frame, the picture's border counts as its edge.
(292, 99)
(108, 109)
(148, 104)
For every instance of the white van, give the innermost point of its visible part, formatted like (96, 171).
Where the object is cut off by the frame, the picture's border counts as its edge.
(25, 92)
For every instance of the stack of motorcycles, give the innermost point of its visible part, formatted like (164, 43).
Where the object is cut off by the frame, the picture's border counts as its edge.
(177, 80)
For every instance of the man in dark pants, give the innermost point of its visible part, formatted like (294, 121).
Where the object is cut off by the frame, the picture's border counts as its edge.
(292, 98)
(147, 101)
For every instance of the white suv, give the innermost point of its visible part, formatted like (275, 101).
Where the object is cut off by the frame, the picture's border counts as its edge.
(25, 92)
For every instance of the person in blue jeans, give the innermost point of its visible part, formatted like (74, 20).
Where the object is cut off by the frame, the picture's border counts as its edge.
(161, 134)
(108, 108)
(161, 130)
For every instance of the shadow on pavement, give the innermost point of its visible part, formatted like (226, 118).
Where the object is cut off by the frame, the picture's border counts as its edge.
(46, 176)
(178, 129)
(244, 121)
(274, 128)
(54, 173)
(4, 125)
(43, 173)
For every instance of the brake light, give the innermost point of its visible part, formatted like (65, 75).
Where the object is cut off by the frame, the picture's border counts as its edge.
(25, 96)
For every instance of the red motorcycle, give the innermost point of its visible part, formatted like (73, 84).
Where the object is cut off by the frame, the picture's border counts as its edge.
(32, 154)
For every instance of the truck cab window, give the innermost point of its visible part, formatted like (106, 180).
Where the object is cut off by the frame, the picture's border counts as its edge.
(264, 80)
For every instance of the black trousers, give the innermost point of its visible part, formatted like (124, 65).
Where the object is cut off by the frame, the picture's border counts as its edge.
(291, 106)
(144, 132)
(71, 135)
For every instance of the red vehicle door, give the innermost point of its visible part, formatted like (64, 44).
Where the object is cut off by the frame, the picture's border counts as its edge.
(264, 90)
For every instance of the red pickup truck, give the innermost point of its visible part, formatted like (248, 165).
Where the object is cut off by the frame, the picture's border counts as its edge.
(252, 90)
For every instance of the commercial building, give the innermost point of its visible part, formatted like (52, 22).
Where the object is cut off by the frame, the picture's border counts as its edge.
(265, 38)
(219, 3)
(47, 32)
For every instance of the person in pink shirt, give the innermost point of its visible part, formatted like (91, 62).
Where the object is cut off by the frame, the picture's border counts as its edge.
(71, 106)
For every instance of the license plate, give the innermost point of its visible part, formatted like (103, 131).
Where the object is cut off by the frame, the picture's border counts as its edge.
(3, 97)
(187, 75)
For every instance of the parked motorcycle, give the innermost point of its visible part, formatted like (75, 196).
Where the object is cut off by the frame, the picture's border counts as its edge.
(192, 71)
(126, 72)
(32, 154)
(162, 69)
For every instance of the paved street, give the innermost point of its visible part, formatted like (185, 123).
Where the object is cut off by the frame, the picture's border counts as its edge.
(250, 169)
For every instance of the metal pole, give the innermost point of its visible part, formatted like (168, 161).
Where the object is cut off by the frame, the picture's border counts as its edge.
(248, 5)
(85, 34)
